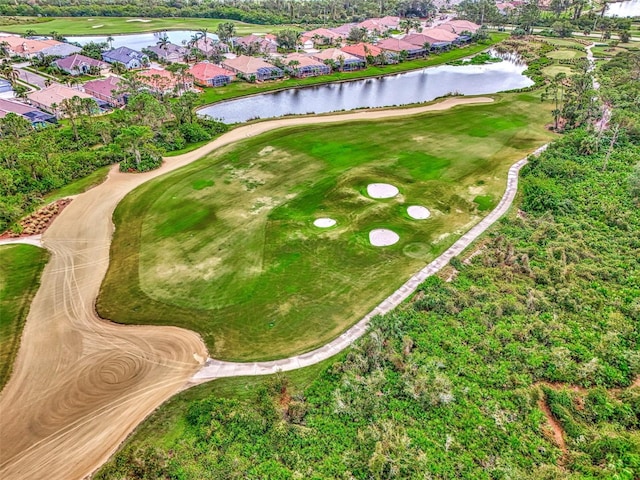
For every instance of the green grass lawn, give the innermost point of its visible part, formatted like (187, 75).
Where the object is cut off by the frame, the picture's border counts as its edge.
(563, 42)
(20, 269)
(79, 186)
(241, 88)
(226, 246)
(566, 54)
(552, 70)
(116, 25)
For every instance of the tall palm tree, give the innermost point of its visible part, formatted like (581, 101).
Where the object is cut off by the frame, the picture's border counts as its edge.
(7, 71)
(110, 40)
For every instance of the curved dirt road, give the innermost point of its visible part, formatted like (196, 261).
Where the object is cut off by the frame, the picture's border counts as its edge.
(80, 384)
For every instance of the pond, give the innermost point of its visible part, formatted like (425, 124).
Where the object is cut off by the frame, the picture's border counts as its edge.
(630, 8)
(402, 89)
(138, 41)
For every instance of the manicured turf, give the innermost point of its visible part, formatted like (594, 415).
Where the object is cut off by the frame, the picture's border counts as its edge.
(226, 246)
(79, 186)
(564, 42)
(115, 25)
(552, 70)
(20, 269)
(566, 54)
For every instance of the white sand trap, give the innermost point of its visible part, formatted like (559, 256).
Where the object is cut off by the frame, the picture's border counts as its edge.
(381, 190)
(381, 237)
(324, 222)
(418, 213)
(138, 20)
(97, 26)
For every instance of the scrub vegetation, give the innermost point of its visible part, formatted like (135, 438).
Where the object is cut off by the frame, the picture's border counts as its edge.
(456, 383)
(20, 269)
(227, 246)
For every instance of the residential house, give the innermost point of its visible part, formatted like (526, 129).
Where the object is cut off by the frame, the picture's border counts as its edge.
(80, 65)
(322, 37)
(389, 22)
(397, 46)
(210, 46)
(252, 68)
(362, 50)
(210, 75)
(5, 86)
(164, 82)
(419, 39)
(106, 89)
(343, 30)
(302, 66)
(51, 98)
(169, 52)
(38, 118)
(256, 44)
(60, 50)
(131, 59)
(439, 38)
(343, 61)
(26, 47)
(460, 26)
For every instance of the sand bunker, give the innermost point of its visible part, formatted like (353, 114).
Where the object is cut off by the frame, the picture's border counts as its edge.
(97, 26)
(418, 213)
(324, 222)
(139, 20)
(381, 237)
(381, 190)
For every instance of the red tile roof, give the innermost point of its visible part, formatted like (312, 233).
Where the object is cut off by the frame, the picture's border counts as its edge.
(104, 87)
(362, 50)
(205, 71)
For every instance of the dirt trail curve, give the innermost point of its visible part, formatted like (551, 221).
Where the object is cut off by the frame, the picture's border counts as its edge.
(80, 385)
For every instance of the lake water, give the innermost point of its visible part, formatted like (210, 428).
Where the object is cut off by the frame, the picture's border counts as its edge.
(138, 41)
(630, 8)
(402, 89)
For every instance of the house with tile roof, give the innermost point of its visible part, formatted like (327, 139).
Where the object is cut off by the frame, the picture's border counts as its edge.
(322, 36)
(343, 62)
(60, 50)
(81, 65)
(131, 59)
(51, 98)
(397, 46)
(460, 26)
(260, 44)
(169, 53)
(26, 47)
(162, 81)
(302, 66)
(106, 89)
(211, 75)
(366, 50)
(252, 68)
(37, 117)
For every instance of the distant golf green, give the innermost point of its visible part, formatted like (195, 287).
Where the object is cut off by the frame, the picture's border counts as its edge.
(227, 247)
(20, 269)
(115, 25)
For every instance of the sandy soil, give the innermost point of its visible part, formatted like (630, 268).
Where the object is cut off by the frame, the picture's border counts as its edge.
(381, 237)
(324, 222)
(81, 384)
(382, 190)
(418, 213)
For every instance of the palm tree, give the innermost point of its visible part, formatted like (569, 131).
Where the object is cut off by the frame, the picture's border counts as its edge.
(203, 34)
(110, 40)
(7, 71)
(4, 49)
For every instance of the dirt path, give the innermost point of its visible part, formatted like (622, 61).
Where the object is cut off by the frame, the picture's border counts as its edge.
(81, 384)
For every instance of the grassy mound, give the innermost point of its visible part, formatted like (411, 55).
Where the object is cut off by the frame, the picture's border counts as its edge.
(227, 246)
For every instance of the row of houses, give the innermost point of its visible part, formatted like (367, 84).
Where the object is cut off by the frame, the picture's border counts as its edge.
(30, 48)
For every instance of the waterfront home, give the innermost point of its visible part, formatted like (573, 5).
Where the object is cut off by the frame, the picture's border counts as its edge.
(80, 65)
(168, 52)
(252, 68)
(59, 50)
(439, 35)
(210, 75)
(107, 90)
(131, 59)
(302, 66)
(397, 46)
(341, 61)
(26, 47)
(362, 50)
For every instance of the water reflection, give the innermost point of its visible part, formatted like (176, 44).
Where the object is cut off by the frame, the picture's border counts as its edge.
(630, 8)
(402, 89)
(138, 41)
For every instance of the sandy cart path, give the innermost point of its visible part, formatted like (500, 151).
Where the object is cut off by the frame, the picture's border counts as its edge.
(80, 384)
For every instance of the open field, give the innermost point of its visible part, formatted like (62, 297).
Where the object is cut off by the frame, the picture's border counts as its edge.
(226, 246)
(20, 269)
(116, 25)
(566, 54)
(553, 70)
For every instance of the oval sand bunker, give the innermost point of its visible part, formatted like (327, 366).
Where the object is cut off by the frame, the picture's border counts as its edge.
(324, 222)
(418, 213)
(381, 190)
(381, 237)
